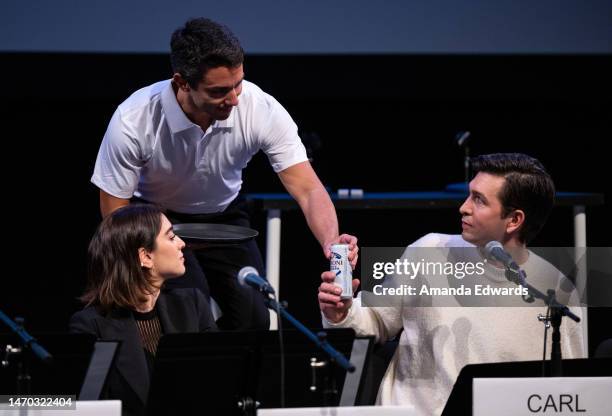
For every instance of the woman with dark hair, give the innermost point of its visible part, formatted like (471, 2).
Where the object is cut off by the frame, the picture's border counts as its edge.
(133, 252)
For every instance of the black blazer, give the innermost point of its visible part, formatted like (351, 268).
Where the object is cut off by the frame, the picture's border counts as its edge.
(179, 310)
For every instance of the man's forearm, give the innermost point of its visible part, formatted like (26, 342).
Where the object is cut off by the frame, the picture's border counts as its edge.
(308, 191)
(320, 215)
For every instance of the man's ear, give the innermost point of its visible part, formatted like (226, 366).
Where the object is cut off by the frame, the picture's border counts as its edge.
(181, 82)
(146, 260)
(516, 219)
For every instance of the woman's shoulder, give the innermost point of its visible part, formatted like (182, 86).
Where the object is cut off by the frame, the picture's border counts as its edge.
(184, 296)
(181, 292)
(92, 312)
(187, 296)
(87, 313)
(84, 320)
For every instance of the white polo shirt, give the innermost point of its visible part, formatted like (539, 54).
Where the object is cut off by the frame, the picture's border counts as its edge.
(153, 151)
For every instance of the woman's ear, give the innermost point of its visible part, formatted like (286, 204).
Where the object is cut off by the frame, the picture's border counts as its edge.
(146, 260)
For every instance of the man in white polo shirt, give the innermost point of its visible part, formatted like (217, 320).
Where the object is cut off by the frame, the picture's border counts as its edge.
(183, 143)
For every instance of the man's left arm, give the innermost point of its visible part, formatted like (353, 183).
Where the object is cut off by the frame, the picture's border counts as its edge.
(303, 184)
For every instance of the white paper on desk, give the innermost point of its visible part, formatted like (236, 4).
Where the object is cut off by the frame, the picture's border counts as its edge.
(340, 411)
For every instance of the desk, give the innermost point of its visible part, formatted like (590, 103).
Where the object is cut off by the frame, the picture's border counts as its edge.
(340, 411)
(275, 203)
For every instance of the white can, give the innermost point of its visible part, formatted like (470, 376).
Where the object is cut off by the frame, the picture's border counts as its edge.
(340, 265)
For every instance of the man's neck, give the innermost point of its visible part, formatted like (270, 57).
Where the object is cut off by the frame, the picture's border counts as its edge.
(186, 103)
(518, 250)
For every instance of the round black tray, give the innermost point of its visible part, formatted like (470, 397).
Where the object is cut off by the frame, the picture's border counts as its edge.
(213, 233)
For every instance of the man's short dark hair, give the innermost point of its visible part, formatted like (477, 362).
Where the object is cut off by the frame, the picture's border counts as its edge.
(202, 44)
(528, 187)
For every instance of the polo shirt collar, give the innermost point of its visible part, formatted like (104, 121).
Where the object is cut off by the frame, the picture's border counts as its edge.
(177, 120)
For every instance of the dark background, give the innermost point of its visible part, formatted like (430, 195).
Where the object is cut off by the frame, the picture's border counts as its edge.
(386, 123)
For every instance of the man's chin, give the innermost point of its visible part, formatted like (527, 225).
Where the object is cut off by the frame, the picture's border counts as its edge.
(223, 115)
(469, 238)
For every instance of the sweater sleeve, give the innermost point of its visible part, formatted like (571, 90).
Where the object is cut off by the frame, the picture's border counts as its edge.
(572, 335)
(383, 323)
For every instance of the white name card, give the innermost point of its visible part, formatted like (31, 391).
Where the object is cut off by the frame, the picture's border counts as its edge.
(584, 396)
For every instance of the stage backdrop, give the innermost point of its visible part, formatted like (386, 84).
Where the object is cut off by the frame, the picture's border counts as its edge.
(307, 26)
(385, 123)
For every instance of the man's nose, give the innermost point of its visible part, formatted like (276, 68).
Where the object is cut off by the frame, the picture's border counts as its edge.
(464, 209)
(232, 98)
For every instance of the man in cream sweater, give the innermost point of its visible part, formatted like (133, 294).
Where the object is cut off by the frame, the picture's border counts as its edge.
(509, 200)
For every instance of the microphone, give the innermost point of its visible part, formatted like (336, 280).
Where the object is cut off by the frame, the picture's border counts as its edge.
(495, 250)
(249, 276)
(604, 349)
(461, 137)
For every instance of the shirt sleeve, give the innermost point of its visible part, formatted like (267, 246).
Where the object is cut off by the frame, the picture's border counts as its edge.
(279, 137)
(120, 159)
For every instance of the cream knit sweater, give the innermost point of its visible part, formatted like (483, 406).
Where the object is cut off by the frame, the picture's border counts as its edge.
(437, 342)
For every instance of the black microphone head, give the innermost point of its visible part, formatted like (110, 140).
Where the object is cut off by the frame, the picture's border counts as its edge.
(462, 137)
(494, 250)
(604, 349)
(244, 272)
(490, 246)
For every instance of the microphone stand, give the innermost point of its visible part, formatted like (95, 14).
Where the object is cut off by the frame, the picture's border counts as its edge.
(461, 138)
(557, 312)
(334, 354)
(330, 392)
(28, 343)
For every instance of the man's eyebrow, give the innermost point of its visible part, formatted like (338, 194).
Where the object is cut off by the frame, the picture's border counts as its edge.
(169, 230)
(476, 193)
(239, 82)
(220, 87)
